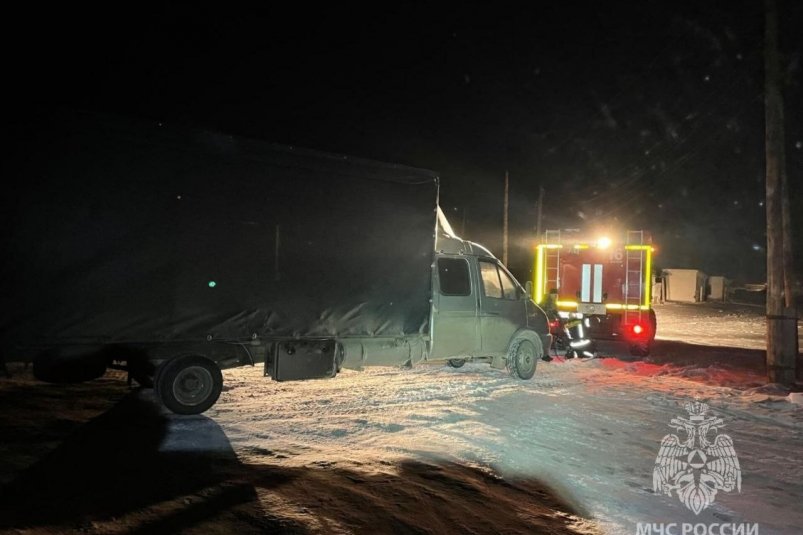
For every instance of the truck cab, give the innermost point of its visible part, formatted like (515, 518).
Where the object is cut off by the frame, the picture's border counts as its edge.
(481, 312)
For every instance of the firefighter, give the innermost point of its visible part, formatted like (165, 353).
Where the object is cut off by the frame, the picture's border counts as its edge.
(551, 304)
(570, 333)
(551, 310)
(578, 344)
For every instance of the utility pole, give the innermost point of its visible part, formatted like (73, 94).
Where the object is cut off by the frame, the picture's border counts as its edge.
(781, 315)
(504, 225)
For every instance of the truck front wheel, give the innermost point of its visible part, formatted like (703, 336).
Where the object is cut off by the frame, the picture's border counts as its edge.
(188, 384)
(522, 359)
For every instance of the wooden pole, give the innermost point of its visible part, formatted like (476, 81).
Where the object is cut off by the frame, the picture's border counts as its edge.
(781, 345)
(789, 290)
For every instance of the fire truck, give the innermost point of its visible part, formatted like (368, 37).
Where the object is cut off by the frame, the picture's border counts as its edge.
(599, 283)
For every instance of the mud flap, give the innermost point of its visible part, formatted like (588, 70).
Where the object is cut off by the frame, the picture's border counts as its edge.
(499, 363)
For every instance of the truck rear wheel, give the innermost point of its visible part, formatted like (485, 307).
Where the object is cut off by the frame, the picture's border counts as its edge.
(189, 384)
(456, 363)
(522, 359)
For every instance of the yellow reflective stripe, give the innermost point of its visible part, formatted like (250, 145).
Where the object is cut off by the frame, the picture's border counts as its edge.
(619, 306)
(539, 275)
(647, 277)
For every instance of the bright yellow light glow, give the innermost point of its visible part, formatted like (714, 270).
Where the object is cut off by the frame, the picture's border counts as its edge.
(619, 306)
(540, 270)
(567, 304)
(539, 275)
(647, 276)
(581, 246)
(604, 242)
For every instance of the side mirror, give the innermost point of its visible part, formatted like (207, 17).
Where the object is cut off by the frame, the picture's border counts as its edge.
(528, 288)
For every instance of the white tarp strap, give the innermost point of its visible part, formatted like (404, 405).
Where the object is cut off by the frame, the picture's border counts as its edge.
(444, 225)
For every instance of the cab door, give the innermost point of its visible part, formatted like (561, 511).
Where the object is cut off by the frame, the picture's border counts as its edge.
(502, 309)
(455, 319)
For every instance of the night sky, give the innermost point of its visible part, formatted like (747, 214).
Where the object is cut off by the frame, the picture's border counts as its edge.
(630, 114)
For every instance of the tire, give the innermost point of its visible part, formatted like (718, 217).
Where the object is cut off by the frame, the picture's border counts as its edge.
(157, 374)
(189, 384)
(522, 359)
(456, 363)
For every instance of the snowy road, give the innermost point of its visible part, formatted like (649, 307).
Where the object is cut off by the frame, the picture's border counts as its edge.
(427, 450)
(728, 325)
(589, 428)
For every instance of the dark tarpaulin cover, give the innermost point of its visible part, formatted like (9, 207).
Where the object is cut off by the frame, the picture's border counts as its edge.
(122, 231)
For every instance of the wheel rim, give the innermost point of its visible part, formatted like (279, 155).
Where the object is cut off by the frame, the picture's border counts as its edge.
(192, 385)
(525, 356)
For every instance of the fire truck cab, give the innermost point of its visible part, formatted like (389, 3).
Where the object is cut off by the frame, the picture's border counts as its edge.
(603, 282)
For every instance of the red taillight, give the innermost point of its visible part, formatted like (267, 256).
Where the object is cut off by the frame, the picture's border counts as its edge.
(638, 329)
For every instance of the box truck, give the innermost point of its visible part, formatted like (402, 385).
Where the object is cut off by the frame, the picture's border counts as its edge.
(174, 253)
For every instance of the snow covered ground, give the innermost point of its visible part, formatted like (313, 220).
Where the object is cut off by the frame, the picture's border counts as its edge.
(427, 450)
(589, 428)
(712, 323)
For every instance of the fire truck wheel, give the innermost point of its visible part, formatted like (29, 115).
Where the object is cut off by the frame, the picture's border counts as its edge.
(522, 359)
(640, 350)
(189, 384)
(456, 363)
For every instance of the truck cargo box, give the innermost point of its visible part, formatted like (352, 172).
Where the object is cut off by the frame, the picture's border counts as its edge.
(118, 231)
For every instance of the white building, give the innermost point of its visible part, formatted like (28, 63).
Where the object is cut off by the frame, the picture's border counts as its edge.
(718, 287)
(684, 285)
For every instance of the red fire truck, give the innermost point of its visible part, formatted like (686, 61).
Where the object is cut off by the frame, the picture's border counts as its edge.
(603, 283)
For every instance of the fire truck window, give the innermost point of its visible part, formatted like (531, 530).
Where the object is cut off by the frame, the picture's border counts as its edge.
(491, 286)
(508, 286)
(453, 276)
